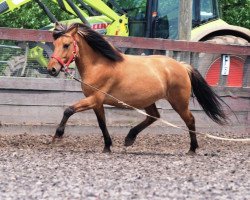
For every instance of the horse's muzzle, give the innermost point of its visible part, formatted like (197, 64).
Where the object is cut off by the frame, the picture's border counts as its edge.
(54, 71)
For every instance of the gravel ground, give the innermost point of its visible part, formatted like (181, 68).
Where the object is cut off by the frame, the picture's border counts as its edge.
(156, 167)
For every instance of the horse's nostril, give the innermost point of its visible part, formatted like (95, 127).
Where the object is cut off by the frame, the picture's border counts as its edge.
(53, 70)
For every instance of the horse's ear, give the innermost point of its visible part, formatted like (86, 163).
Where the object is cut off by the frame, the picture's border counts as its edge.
(57, 25)
(73, 30)
(59, 30)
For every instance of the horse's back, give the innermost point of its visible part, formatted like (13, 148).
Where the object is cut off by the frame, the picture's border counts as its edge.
(167, 70)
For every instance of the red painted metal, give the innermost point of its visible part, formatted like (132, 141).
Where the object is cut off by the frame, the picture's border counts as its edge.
(213, 74)
(235, 77)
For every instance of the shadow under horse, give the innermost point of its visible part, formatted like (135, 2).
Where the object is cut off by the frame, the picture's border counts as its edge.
(139, 81)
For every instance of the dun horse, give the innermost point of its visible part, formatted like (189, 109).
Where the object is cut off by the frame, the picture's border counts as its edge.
(136, 80)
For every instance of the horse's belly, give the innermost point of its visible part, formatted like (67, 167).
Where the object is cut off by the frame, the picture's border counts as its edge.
(138, 95)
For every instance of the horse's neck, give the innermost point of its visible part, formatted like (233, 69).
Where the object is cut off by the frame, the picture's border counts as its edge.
(86, 59)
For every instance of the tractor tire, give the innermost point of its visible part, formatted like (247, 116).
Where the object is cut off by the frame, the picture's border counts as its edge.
(207, 62)
(15, 66)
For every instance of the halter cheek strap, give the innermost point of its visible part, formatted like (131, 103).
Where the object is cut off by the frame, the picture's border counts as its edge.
(65, 65)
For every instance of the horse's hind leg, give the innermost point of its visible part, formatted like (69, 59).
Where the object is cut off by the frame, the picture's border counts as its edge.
(190, 122)
(102, 124)
(151, 110)
(181, 107)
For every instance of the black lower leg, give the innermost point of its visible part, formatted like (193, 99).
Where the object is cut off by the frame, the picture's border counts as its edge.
(67, 113)
(131, 137)
(102, 124)
(193, 143)
(107, 138)
(193, 140)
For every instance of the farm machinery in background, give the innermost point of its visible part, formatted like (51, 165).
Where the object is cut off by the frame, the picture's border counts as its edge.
(89, 13)
(148, 18)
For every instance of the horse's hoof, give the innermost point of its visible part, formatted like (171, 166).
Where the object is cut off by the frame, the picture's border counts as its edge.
(106, 150)
(59, 131)
(56, 138)
(129, 141)
(191, 153)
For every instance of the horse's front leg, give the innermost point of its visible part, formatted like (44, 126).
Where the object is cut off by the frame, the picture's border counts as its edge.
(82, 105)
(102, 124)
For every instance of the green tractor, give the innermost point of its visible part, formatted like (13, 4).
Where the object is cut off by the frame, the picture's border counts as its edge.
(154, 19)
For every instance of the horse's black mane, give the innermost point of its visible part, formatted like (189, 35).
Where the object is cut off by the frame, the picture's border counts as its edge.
(95, 40)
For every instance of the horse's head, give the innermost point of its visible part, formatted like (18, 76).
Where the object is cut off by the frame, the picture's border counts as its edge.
(65, 51)
(66, 48)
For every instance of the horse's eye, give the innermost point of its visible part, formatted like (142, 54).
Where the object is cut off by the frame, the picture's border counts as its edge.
(66, 46)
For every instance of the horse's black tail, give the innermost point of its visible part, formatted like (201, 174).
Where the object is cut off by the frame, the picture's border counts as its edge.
(207, 98)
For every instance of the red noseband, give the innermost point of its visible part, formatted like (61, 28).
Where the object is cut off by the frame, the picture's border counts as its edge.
(65, 65)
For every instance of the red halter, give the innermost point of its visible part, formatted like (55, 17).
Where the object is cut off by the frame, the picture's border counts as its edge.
(65, 65)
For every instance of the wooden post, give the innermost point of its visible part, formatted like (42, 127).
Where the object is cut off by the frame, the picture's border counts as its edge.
(185, 20)
(185, 25)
